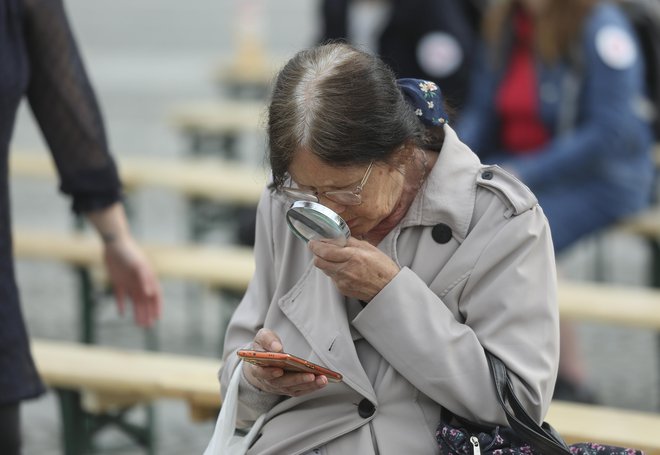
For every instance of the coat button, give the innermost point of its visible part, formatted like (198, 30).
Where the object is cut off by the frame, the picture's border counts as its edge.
(487, 175)
(441, 233)
(366, 408)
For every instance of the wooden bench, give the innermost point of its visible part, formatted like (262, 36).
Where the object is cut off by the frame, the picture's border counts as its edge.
(647, 226)
(106, 379)
(217, 125)
(218, 192)
(606, 425)
(630, 306)
(213, 179)
(227, 270)
(113, 378)
(97, 385)
(595, 302)
(232, 267)
(217, 267)
(249, 75)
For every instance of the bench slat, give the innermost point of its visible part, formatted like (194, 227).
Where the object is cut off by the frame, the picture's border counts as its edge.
(136, 374)
(225, 117)
(232, 268)
(618, 427)
(226, 268)
(645, 224)
(141, 375)
(213, 179)
(608, 303)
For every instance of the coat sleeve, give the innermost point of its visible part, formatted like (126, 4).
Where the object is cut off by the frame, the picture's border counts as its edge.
(507, 305)
(65, 107)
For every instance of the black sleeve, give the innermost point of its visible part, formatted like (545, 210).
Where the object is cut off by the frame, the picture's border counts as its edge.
(63, 102)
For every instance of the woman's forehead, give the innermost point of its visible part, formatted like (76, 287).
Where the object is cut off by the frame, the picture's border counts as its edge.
(309, 170)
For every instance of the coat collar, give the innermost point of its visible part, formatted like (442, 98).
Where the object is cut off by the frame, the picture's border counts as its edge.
(449, 192)
(318, 310)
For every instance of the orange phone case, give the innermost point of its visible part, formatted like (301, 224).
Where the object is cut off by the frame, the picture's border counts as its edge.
(287, 362)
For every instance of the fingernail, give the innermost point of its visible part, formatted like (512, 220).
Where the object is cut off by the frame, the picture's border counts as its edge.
(276, 346)
(309, 378)
(278, 373)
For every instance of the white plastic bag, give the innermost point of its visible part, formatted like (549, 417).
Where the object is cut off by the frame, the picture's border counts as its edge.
(224, 440)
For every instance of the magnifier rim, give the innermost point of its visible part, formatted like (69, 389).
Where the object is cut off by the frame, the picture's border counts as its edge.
(325, 211)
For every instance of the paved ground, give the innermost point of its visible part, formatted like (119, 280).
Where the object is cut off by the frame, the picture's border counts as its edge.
(144, 57)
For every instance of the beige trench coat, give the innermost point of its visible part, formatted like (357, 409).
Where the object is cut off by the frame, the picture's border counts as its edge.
(490, 284)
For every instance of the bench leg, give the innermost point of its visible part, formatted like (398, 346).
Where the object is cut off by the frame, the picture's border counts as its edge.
(600, 259)
(654, 246)
(86, 295)
(224, 145)
(241, 90)
(75, 434)
(88, 306)
(206, 216)
(79, 426)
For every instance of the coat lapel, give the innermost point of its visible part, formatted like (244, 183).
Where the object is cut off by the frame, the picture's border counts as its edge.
(318, 311)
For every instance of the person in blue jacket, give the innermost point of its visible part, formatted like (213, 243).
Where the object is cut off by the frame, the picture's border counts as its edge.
(556, 99)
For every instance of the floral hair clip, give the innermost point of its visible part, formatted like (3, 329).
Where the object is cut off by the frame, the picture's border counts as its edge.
(425, 97)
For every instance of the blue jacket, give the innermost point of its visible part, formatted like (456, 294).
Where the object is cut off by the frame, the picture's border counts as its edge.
(600, 147)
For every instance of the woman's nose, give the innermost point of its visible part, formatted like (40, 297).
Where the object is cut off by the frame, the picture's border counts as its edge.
(334, 206)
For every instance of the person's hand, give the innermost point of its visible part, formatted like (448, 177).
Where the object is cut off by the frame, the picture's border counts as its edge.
(359, 269)
(276, 380)
(131, 276)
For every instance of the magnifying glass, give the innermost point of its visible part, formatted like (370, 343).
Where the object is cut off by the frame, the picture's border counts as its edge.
(313, 221)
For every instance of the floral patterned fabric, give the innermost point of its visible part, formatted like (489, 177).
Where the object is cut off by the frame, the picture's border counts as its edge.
(425, 97)
(503, 441)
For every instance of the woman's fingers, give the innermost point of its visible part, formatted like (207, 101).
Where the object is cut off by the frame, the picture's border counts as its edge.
(268, 341)
(277, 380)
(281, 382)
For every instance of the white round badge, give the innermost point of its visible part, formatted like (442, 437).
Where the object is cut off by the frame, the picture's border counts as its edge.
(615, 47)
(439, 54)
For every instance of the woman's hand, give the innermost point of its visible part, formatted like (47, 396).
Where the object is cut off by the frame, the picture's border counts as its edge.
(131, 275)
(276, 380)
(129, 271)
(359, 269)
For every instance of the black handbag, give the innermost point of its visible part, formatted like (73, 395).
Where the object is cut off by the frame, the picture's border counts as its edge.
(457, 436)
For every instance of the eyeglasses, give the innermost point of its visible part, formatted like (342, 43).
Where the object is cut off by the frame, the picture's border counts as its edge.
(343, 197)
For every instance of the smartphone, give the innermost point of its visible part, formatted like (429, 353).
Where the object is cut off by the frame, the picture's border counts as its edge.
(287, 362)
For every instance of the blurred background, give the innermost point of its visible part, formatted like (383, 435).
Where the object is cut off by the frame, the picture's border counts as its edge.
(157, 64)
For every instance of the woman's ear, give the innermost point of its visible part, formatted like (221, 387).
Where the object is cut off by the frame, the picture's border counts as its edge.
(402, 157)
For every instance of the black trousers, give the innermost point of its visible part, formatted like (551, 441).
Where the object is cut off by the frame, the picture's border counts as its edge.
(10, 429)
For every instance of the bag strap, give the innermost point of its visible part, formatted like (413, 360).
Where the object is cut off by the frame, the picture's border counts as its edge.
(543, 438)
(223, 440)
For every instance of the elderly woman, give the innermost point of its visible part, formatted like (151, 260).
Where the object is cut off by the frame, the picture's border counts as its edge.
(447, 258)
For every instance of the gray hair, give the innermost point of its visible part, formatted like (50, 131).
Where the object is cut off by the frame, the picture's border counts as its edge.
(340, 103)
